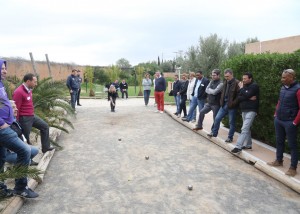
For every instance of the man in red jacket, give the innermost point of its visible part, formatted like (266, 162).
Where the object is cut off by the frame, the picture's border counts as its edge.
(23, 99)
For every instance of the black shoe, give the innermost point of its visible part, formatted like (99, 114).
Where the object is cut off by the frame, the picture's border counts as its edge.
(211, 135)
(78, 104)
(236, 150)
(228, 140)
(175, 113)
(245, 148)
(6, 193)
(49, 149)
(33, 163)
(184, 119)
(26, 193)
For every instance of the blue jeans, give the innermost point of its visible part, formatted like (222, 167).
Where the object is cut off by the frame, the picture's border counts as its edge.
(194, 103)
(11, 157)
(286, 129)
(9, 140)
(146, 96)
(223, 111)
(74, 98)
(177, 102)
(245, 136)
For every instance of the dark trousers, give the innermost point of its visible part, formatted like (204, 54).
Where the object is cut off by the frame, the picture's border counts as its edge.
(182, 106)
(286, 129)
(112, 103)
(124, 92)
(27, 122)
(78, 96)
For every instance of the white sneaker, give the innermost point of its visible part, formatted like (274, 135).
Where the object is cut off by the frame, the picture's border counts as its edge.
(156, 111)
(161, 112)
(193, 121)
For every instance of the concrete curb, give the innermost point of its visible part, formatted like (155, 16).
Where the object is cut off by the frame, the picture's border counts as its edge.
(246, 156)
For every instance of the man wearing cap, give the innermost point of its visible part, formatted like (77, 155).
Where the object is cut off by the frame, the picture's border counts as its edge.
(73, 86)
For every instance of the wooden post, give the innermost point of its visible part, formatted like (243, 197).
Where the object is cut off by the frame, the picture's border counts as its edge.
(48, 63)
(33, 64)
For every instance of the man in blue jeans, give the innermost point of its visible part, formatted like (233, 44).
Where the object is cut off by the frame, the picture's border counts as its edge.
(73, 86)
(10, 140)
(248, 101)
(229, 103)
(198, 96)
(287, 120)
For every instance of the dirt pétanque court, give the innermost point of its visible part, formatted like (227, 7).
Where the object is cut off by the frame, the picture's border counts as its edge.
(102, 169)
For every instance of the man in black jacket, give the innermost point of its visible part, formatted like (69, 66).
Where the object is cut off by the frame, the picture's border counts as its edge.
(213, 90)
(248, 99)
(124, 88)
(198, 96)
(182, 93)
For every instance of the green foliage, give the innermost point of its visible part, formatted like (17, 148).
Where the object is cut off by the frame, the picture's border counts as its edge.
(100, 76)
(266, 70)
(167, 66)
(113, 72)
(212, 52)
(89, 76)
(123, 63)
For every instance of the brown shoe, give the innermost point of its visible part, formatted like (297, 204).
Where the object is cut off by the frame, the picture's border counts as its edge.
(291, 172)
(196, 129)
(276, 163)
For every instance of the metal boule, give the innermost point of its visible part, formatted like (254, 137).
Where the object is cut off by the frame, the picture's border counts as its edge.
(190, 187)
(147, 157)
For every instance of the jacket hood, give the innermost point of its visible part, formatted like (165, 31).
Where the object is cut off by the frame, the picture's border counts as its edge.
(1, 63)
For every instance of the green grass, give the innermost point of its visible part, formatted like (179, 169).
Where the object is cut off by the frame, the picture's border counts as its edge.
(132, 91)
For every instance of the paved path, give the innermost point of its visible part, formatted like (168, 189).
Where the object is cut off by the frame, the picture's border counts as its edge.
(103, 169)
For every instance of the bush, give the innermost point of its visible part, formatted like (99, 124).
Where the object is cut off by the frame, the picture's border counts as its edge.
(266, 69)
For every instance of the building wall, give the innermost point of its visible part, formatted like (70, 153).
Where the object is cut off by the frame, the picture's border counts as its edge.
(59, 71)
(283, 45)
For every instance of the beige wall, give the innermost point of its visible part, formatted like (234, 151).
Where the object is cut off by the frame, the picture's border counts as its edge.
(19, 68)
(283, 45)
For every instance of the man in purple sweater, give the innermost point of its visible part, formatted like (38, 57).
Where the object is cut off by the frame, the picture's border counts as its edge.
(10, 140)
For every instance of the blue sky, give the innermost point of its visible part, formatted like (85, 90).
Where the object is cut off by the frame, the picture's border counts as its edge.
(96, 32)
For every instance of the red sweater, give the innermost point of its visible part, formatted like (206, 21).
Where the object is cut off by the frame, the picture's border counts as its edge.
(23, 100)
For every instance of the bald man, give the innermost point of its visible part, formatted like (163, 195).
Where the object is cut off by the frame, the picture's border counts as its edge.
(287, 120)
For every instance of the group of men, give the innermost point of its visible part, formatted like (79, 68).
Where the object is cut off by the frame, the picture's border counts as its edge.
(11, 138)
(224, 98)
(74, 85)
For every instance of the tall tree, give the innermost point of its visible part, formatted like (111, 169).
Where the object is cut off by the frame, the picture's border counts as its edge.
(123, 63)
(212, 52)
(158, 61)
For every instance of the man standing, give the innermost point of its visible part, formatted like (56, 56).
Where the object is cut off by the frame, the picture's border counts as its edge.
(287, 120)
(124, 88)
(10, 140)
(229, 103)
(248, 101)
(176, 89)
(159, 91)
(192, 80)
(198, 96)
(79, 78)
(213, 90)
(182, 93)
(26, 117)
(73, 85)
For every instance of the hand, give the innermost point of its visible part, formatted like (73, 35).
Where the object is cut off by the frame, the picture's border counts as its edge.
(241, 84)
(253, 98)
(5, 125)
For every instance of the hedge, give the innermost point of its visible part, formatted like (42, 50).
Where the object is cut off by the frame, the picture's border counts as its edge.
(266, 69)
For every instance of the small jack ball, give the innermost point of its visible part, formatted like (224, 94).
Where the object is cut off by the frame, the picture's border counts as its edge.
(147, 157)
(190, 187)
(120, 139)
